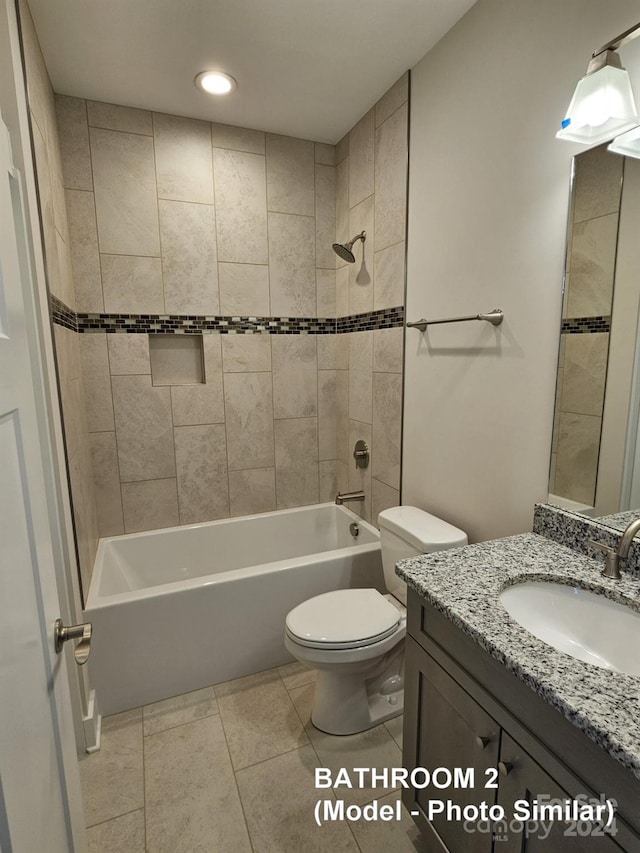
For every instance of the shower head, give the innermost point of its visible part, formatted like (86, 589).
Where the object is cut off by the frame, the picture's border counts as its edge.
(343, 250)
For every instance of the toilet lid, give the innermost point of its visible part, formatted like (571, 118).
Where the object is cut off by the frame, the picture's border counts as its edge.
(343, 619)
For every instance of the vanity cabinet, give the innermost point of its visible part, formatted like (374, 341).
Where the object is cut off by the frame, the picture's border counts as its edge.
(463, 709)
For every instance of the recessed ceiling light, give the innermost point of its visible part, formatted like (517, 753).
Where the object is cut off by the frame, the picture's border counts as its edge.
(216, 82)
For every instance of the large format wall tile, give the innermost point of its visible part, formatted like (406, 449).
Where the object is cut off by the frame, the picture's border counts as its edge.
(189, 258)
(297, 481)
(201, 465)
(397, 95)
(290, 175)
(244, 290)
(361, 157)
(325, 212)
(382, 497)
(360, 478)
(150, 504)
(295, 371)
(95, 369)
(387, 350)
(292, 265)
(246, 353)
(252, 491)
(598, 182)
(128, 354)
(115, 117)
(183, 158)
(237, 138)
(593, 263)
(387, 413)
(241, 207)
(104, 456)
(391, 179)
(248, 401)
(585, 373)
(143, 429)
(360, 376)
(328, 480)
(342, 204)
(74, 142)
(125, 189)
(361, 273)
(83, 245)
(577, 461)
(389, 277)
(327, 421)
(132, 285)
(326, 293)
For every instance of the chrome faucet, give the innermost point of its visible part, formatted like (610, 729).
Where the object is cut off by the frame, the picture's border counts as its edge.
(343, 497)
(612, 564)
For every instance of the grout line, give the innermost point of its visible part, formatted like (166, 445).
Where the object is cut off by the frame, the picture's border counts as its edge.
(235, 779)
(115, 817)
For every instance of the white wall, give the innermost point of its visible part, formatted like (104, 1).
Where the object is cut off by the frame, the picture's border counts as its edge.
(488, 197)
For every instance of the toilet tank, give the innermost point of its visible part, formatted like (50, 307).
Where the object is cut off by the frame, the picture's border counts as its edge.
(406, 531)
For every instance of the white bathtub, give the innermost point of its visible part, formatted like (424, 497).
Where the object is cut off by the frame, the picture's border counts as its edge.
(177, 609)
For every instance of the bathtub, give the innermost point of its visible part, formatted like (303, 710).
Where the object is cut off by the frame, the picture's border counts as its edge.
(177, 609)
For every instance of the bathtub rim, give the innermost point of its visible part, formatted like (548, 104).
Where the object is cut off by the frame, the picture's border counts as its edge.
(95, 600)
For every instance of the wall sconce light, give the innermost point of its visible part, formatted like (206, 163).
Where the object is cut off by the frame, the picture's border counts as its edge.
(602, 105)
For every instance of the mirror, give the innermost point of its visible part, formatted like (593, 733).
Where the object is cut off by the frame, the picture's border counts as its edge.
(595, 459)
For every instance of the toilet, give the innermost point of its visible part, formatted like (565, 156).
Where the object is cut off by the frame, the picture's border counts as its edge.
(355, 637)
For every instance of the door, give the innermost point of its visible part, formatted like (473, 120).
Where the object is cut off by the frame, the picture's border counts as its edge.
(39, 777)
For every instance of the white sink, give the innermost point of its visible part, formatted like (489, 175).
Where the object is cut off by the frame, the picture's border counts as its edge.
(586, 626)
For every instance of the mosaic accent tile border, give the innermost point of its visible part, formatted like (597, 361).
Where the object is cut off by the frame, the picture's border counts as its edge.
(586, 325)
(62, 315)
(194, 324)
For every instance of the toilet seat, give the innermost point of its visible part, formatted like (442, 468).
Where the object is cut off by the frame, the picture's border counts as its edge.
(343, 619)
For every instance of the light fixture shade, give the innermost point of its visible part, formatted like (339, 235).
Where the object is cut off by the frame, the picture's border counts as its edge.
(602, 107)
(627, 144)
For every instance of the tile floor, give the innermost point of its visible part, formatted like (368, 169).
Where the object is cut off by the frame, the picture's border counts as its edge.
(230, 769)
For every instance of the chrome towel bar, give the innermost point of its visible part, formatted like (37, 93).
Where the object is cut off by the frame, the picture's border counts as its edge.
(494, 317)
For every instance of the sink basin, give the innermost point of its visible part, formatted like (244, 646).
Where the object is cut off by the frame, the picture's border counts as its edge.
(586, 626)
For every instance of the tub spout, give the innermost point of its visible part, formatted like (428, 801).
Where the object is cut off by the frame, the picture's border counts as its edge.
(343, 497)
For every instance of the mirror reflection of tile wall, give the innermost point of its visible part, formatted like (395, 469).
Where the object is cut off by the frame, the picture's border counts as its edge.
(584, 347)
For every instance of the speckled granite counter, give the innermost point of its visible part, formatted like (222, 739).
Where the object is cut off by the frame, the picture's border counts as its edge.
(463, 584)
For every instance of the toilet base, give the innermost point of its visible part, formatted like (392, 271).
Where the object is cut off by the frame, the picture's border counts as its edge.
(345, 703)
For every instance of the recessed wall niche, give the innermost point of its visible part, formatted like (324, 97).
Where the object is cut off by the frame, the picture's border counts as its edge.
(176, 359)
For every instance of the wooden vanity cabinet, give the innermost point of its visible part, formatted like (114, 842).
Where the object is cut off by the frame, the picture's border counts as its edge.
(463, 709)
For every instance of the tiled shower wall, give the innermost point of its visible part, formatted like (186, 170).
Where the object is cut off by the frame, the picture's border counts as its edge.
(147, 214)
(59, 277)
(170, 215)
(371, 195)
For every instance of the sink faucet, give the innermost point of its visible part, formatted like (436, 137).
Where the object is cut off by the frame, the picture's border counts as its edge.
(343, 497)
(612, 564)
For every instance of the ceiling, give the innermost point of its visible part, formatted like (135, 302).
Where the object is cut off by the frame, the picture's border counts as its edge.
(306, 68)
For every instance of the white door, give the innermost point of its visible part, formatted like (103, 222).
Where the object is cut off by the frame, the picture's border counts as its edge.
(38, 763)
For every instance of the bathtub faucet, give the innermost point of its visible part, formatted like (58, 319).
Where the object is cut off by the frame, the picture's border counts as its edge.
(343, 497)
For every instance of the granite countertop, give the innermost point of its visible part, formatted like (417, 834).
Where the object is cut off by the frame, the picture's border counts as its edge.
(464, 583)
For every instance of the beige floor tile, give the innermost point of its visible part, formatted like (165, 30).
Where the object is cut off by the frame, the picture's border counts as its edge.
(178, 710)
(394, 727)
(381, 836)
(259, 720)
(112, 779)
(121, 834)
(278, 797)
(296, 674)
(192, 801)
(372, 748)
